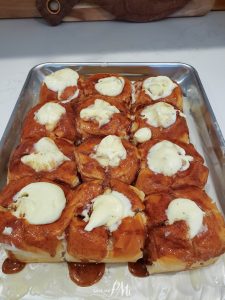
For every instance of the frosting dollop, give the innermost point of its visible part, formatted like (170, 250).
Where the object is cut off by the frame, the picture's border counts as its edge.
(46, 156)
(182, 209)
(39, 203)
(160, 114)
(142, 135)
(109, 209)
(60, 80)
(101, 112)
(49, 115)
(168, 158)
(158, 87)
(110, 151)
(110, 86)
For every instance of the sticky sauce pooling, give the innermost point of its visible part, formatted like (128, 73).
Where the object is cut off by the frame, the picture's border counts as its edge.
(138, 268)
(86, 274)
(12, 266)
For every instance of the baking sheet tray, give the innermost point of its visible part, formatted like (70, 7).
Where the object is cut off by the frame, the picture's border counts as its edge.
(51, 281)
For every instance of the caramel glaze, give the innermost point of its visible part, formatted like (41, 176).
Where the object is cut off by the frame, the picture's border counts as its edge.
(138, 268)
(12, 266)
(86, 274)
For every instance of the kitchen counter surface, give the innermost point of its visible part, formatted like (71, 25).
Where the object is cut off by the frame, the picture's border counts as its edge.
(197, 41)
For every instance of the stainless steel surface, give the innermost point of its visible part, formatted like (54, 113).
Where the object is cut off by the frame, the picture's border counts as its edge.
(208, 131)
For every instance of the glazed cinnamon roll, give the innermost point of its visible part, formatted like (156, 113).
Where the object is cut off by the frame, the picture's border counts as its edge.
(52, 119)
(44, 157)
(34, 213)
(97, 117)
(108, 224)
(110, 157)
(159, 121)
(114, 88)
(157, 89)
(185, 230)
(62, 85)
(172, 164)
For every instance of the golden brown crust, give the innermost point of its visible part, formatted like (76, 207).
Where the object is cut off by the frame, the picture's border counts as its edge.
(85, 245)
(65, 128)
(122, 101)
(85, 192)
(128, 240)
(170, 240)
(172, 264)
(36, 256)
(177, 131)
(150, 182)
(90, 168)
(211, 242)
(29, 237)
(66, 172)
(168, 246)
(99, 244)
(142, 99)
(129, 192)
(46, 95)
(118, 125)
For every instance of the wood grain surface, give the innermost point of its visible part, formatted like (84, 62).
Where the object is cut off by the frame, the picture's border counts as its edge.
(142, 10)
(18, 9)
(85, 11)
(219, 5)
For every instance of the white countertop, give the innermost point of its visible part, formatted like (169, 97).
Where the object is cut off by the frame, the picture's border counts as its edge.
(197, 41)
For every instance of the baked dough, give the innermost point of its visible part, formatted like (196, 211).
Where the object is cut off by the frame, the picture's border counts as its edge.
(90, 168)
(150, 182)
(65, 128)
(118, 125)
(47, 95)
(177, 131)
(141, 99)
(100, 245)
(142, 230)
(168, 247)
(122, 101)
(28, 242)
(65, 172)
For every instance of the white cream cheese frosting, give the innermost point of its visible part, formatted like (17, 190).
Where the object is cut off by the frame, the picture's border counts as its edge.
(49, 115)
(46, 156)
(160, 114)
(101, 112)
(108, 210)
(7, 230)
(110, 86)
(142, 135)
(133, 92)
(182, 209)
(110, 151)
(158, 87)
(168, 158)
(39, 203)
(60, 80)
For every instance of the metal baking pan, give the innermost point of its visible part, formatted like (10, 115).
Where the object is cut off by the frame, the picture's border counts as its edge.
(205, 134)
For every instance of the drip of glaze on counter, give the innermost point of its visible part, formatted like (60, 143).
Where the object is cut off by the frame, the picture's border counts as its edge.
(86, 274)
(83, 274)
(12, 266)
(138, 268)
